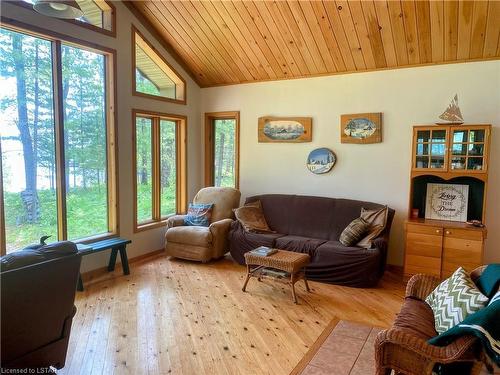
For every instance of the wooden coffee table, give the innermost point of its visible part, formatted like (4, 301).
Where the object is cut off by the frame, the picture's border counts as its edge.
(291, 264)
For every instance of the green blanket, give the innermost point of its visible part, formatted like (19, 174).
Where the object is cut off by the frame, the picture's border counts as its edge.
(485, 324)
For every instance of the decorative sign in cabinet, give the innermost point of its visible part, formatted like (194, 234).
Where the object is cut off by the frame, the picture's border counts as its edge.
(455, 155)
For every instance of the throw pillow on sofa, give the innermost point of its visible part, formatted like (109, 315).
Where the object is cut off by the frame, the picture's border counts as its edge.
(252, 218)
(198, 215)
(354, 232)
(377, 220)
(454, 299)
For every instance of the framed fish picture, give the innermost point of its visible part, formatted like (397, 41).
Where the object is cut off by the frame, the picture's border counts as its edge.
(361, 128)
(285, 129)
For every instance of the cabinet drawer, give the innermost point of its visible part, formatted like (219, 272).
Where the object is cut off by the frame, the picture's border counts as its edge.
(424, 229)
(422, 264)
(464, 234)
(423, 244)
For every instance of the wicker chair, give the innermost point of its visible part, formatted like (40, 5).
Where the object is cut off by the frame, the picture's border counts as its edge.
(403, 350)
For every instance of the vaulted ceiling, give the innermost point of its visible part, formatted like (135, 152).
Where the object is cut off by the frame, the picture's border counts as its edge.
(229, 42)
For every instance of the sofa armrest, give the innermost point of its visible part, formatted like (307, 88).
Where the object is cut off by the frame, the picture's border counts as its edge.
(219, 230)
(419, 346)
(420, 286)
(175, 221)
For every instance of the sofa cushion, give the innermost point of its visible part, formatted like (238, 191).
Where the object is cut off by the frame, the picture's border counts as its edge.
(354, 232)
(36, 254)
(252, 218)
(197, 236)
(377, 220)
(298, 244)
(416, 316)
(454, 299)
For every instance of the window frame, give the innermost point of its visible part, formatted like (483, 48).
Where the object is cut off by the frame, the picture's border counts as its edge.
(110, 69)
(181, 167)
(210, 117)
(102, 30)
(155, 50)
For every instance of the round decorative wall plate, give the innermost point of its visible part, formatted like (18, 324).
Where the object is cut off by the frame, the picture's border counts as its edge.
(321, 160)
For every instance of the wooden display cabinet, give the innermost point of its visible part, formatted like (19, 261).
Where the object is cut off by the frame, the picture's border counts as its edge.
(455, 154)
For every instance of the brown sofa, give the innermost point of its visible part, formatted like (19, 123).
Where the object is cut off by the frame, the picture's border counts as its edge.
(313, 225)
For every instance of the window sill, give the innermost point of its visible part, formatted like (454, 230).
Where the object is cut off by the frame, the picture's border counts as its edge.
(150, 225)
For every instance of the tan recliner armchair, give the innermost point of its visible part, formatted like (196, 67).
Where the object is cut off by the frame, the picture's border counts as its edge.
(203, 243)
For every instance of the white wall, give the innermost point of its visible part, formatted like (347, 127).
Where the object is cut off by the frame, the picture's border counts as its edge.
(152, 239)
(375, 172)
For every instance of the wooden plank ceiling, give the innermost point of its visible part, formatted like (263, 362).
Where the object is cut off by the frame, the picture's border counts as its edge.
(229, 42)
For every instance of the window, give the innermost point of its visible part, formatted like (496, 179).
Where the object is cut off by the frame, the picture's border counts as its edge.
(222, 149)
(57, 167)
(159, 167)
(152, 75)
(98, 15)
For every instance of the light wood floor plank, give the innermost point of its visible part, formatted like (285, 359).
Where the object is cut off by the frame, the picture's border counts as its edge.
(177, 317)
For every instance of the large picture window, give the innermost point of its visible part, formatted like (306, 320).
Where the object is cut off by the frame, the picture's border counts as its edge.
(159, 167)
(56, 140)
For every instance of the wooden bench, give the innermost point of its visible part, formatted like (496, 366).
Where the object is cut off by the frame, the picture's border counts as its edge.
(115, 244)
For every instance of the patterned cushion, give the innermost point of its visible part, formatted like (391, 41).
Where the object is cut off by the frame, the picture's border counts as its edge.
(454, 299)
(252, 218)
(354, 232)
(199, 215)
(377, 220)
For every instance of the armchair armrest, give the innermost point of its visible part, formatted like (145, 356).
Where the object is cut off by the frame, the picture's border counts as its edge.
(420, 286)
(420, 347)
(175, 221)
(219, 230)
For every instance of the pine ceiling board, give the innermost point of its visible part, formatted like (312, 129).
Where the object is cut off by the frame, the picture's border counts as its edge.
(264, 22)
(326, 29)
(250, 31)
(465, 11)
(292, 45)
(183, 50)
(219, 28)
(261, 65)
(350, 32)
(362, 32)
(410, 22)
(191, 15)
(492, 29)
(424, 30)
(340, 37)
(180, 37)
(398, 31)
(437, 30)
(315, 28)
(300, 20)
(384, 21)
(374, 33)
(451, 30)
(314, 61)
(479, 17)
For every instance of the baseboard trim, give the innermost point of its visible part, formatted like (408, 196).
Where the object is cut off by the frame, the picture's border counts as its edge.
(90, 277)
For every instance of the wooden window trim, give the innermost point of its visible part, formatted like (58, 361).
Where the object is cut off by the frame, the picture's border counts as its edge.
(209, 145)
(150, 96)
(111, 128)
(181, 166)
(101, 30)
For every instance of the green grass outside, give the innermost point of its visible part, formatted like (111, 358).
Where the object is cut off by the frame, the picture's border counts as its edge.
(86, 214)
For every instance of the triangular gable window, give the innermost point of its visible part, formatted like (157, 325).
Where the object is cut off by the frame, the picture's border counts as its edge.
(153, 75)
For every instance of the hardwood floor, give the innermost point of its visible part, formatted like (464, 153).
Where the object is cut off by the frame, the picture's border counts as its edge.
(176, 317)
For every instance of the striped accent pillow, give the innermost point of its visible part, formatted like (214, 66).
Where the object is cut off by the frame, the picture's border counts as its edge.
(454, 299)
(198, 215)
(354, 232)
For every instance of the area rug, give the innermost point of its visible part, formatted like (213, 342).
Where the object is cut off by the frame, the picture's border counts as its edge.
(343, 348)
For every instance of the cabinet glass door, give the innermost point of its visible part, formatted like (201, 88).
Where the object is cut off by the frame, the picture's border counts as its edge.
(430, 149)
(468, 149)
